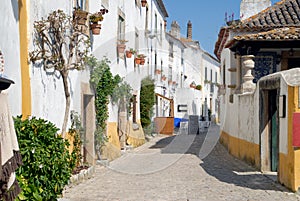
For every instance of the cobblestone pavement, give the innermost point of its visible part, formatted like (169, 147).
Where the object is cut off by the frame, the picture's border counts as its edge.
(168, 168)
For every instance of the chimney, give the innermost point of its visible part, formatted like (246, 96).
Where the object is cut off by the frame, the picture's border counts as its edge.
(249, 8)
(189, 30)
(175, 29)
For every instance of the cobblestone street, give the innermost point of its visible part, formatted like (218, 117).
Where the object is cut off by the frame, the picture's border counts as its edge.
(169, 168)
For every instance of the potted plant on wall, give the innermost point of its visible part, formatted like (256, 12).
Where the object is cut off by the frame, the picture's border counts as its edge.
(157, 71)
(198, 87)
(193, 85)
(121, 46)
(144, 2)
(130, 52)
(163, 78)
(140, 59)
(80, 16)
(95, 19)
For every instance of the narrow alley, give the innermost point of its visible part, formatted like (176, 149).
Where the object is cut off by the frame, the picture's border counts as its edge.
(164, 169)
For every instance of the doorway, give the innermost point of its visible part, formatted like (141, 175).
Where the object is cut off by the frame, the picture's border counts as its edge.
(88, 122)
(273, 130)
(269, 126)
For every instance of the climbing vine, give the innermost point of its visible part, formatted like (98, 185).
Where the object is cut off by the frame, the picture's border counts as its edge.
(122, 95)
(103, 83)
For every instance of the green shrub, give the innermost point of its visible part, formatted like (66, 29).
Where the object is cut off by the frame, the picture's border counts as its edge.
(46, 168)
(147, 101)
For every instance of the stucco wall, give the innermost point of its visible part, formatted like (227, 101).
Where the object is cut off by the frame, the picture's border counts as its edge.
(10, 47)
(48, 99)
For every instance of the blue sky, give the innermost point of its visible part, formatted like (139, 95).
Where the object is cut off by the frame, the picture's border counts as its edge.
(207, 17)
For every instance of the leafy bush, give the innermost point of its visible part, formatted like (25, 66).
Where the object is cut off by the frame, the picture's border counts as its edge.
(147, 101)
(46, 168)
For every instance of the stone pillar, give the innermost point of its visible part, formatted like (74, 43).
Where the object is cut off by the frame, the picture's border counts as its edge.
(238, 74)
(248, 65)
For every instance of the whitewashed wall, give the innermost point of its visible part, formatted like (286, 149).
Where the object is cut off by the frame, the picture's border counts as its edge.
(48, 99)
(212, 67)
(10, 47)
(135, 24)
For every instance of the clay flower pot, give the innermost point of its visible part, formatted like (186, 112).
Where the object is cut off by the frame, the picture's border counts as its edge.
(121, 48)
(80, 17)
(142, 61)
(95, 28)
(137, 61)
(144, 2)
(128, 54)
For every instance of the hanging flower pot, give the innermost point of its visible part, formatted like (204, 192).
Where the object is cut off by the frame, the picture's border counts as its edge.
(142, 61)
(121, 48)
(95, 28)
(192, 85)
(137, 61)
(80, 16)
(144, 2)
(163, 78)
(198, 87)
(128, 54)
(157, 71)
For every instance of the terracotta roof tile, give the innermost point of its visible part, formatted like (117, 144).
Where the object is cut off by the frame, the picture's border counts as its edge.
(285, 13)
(278, 34)
(282, 14)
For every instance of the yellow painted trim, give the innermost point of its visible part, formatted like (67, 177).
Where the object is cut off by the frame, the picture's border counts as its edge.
(241, 149)
(112, 134)
(25, 74)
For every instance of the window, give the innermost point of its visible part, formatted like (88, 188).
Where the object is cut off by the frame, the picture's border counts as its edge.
(211, 75)
(146, 18)
(155, 23)
(136, 44)
(182, 60)
(155, 60)
(81, 4)
(224, 74)
(170, 73)
(216, 77)
(121, 28)
(171, 50)
(205, 73)
(161, 30)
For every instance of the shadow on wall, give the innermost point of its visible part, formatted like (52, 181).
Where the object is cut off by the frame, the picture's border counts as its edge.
(15, 7)
(219, 163)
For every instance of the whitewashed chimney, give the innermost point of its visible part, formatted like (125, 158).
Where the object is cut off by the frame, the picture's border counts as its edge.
(249, 8)
(175, 29)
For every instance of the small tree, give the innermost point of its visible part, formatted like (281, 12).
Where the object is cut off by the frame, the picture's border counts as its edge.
(60, 45)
